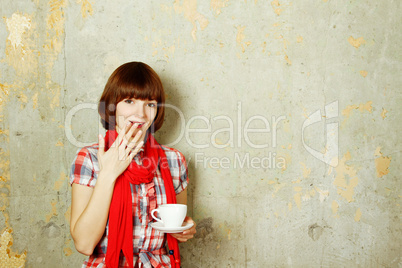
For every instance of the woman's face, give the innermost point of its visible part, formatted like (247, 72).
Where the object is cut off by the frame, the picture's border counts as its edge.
(136, 111)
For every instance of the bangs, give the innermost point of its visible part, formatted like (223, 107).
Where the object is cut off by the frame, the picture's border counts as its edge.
(138, 83)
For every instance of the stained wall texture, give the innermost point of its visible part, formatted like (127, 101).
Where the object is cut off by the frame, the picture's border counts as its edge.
(288, 113)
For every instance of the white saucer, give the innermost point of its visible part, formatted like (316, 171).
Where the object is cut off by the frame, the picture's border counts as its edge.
(171, 230)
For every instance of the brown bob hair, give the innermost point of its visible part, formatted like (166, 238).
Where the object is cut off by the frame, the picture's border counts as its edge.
(131, 80)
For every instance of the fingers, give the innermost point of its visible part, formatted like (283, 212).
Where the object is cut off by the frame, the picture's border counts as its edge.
(130, 146)
(129, 140)
(134, 151)
(131, 128)
(191, 232)
(133, 140)
(189, 219)
(187, 234)
(120, 138)
(181, 237)
(125, 135)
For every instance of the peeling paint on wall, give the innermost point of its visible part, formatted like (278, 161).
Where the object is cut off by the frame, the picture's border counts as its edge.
(362, 108)
(335, 207)
(358, 215)
(55, 23)
(297, 196)
(86, 8)
(35, 100)
(276, 7)
(299, 39)
(384, 113)
(67, 214)
(240, 36)
(4, 93)
(323, 194)
(382, 163)
(59, 144)
(59, 183)
(225, 230)
(309, 194)
(279, 7)
(363, 73)
(4, 159)
(277, 185)
(20, 45)
(217, 5)
(189, 10)
(7, 257)
(278, 34)
(17, 26)
(346, 178)
(356, 42)
(302, 195)
(53, 212)
(67, 250)
(4, 201)
(167, 51)
(306, 171)
(55, 31)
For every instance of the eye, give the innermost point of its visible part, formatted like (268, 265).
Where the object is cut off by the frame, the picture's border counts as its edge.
(152, 104)
(129, 101)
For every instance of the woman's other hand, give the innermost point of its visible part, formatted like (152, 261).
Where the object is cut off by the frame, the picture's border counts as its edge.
(187, 234)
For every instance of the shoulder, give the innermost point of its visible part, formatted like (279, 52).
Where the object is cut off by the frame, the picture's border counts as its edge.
(172, 152)
(85, 166)
(89, 151)
(174, 156)
(87, 155)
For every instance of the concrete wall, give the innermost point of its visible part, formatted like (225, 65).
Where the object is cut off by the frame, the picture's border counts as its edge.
(316, 185)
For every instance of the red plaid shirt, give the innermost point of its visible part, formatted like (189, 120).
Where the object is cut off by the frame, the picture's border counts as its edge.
(149, 244)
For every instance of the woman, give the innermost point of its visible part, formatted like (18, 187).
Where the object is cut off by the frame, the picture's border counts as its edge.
(119, 181)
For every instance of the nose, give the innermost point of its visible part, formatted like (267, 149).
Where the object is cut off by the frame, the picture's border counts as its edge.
(139, 108)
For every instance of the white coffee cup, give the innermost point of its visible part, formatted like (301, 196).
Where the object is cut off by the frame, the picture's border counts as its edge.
(172, 215)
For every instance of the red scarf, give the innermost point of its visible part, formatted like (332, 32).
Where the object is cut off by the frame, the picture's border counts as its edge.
(120, 236)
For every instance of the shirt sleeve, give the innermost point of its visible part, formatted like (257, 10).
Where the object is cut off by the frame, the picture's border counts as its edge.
(178, 169)
(183, 180)
(83, 170)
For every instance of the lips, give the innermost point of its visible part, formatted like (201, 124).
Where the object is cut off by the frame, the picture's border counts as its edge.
(140, 124)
